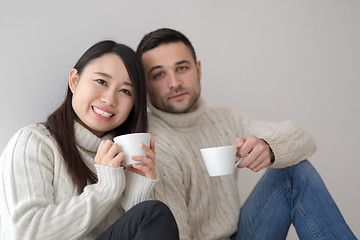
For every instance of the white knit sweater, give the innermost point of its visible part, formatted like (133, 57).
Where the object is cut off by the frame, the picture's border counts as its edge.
(209, 207)
(38, 199)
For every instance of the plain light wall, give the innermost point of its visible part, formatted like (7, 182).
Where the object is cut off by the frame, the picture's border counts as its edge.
(275, 60)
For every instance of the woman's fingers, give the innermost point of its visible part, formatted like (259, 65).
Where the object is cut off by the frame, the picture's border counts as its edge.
(118, 160)
(109, 154)
(145, 170)
(150, 152)
(132, 169)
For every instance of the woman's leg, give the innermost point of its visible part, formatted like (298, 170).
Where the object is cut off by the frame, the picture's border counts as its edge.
(295, 195)
(146, 220)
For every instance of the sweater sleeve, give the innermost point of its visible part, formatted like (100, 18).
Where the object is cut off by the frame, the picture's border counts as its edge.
(28, 206)
(170, 188)
(137, 189)
(288, 140)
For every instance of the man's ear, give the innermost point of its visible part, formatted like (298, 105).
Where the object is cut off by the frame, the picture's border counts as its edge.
(198, 66)
(73, 79)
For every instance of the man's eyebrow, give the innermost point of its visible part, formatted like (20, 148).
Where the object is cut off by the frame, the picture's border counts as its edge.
(154, 68)
(181, 62)
(160, 66)
(104, 74)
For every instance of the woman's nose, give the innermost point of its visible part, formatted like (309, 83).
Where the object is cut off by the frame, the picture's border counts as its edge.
(109, 98)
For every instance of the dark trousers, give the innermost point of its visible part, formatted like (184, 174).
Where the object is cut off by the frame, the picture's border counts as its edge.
(146, 220)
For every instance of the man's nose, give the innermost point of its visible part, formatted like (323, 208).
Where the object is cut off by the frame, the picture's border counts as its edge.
(174, 81)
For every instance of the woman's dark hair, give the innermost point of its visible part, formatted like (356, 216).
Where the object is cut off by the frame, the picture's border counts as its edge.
(163, 36)
(61, 122)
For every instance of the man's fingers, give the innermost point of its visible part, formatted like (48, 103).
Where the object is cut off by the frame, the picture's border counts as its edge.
(239, 142)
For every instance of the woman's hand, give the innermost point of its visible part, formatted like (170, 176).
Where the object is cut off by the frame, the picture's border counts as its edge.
(109, 154)
(148, 169)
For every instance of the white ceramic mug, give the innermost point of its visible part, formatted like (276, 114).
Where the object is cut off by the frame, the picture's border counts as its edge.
(130, 145)
(220, 160)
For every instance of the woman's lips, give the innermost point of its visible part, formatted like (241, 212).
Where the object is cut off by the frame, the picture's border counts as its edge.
(102, 113)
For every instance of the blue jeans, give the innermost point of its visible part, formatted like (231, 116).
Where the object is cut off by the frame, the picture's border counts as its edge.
(294, 195)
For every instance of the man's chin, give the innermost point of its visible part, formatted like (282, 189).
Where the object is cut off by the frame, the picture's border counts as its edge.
(180, 108)
(183, 106)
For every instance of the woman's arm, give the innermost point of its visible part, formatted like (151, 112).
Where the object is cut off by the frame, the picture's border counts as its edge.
(32, 172)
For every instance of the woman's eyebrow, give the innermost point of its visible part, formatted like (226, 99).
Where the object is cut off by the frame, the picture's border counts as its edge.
(129, 84)
(109, 76)
(104, 74)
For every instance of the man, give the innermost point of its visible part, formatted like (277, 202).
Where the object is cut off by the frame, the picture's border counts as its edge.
(291, 191)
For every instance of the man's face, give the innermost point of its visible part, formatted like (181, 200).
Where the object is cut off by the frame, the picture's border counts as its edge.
(173, 77)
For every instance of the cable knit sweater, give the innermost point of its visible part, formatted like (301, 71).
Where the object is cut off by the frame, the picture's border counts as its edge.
(38, 199)
(209, 207)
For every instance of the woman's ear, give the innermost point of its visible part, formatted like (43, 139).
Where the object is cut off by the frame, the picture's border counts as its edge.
(73, 79)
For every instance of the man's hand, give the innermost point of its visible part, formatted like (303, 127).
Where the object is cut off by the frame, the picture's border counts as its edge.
(259, 153)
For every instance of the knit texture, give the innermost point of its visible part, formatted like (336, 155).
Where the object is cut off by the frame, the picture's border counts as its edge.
(38, 199)
(209, 207)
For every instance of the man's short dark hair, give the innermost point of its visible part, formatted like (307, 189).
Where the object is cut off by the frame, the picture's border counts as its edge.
(163, 36)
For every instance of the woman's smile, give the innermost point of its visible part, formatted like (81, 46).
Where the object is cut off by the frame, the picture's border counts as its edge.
(102, 94)
(102, 113)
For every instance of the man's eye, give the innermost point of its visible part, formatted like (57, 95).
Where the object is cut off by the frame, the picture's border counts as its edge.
(100, 81)
(181, 68)
(160, 74)
(126, 91)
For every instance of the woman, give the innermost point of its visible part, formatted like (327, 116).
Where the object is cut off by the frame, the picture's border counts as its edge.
(63, 179)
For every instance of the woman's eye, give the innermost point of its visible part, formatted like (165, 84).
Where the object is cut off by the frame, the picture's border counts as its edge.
(100, 81)
(126, 91)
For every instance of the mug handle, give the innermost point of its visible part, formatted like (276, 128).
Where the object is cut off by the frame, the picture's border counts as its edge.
(239, 160)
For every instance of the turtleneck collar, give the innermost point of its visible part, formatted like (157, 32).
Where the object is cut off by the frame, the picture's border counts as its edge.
(86, 139)
(180, 120)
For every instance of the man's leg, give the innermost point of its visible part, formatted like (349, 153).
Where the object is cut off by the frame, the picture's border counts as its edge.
(295, 195)
(146, 220)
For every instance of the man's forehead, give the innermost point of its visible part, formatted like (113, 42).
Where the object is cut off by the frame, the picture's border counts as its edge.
(166, 53)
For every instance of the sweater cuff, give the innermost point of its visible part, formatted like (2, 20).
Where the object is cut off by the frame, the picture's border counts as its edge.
(138, 189)
(110, 180)
(292, 146)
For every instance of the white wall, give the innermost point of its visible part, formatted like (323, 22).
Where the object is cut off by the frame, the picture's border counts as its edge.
(275, 60)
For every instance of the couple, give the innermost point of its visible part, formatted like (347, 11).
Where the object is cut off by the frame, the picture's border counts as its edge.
(73, 185)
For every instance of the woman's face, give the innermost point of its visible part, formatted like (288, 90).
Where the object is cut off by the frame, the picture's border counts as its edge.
(103, 95)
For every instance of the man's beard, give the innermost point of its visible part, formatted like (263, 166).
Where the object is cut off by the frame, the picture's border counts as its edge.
(166, 106)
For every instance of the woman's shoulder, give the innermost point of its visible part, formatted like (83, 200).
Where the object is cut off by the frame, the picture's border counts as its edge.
(38, 129)
(30, 135)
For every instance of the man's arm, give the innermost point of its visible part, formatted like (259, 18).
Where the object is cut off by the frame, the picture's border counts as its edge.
(287, 140)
